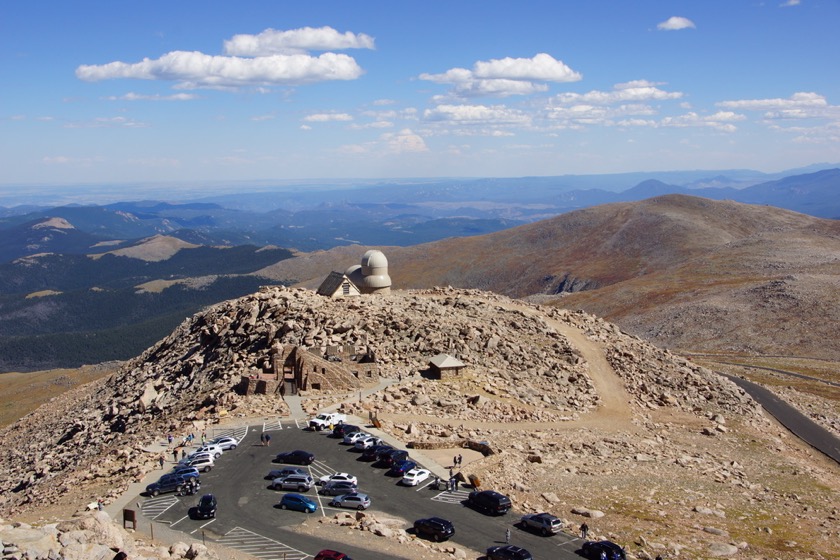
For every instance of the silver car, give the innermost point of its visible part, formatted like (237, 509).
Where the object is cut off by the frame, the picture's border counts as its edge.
(299, 482)
(352, 501)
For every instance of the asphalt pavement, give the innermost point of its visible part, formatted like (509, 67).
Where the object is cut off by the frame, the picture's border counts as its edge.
(249, 521)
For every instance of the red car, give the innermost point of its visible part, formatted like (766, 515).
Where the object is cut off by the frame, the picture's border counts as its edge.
(331, 555)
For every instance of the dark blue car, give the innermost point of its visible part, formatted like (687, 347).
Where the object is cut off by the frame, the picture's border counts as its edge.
(402, 467)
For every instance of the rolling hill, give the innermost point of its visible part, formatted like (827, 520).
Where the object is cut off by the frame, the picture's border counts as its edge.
(684, 272)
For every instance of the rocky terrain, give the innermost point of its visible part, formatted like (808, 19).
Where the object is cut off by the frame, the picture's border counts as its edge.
(583, 420)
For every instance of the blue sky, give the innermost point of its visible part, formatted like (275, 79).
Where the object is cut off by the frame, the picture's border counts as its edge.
(167, 92)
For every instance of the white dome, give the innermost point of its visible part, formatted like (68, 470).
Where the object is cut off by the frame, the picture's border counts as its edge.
(374, 259)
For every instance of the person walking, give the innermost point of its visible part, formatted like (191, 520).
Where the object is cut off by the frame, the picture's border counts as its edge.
(460, 460)
(262, 439)
(267, 440)
(183, 453)
(175, 455)
(507, 536)
(161, 460)
(584, 530)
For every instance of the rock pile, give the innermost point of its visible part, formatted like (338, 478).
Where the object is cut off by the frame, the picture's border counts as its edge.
(89, 536)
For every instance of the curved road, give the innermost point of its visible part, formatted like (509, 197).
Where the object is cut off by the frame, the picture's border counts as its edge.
(803, 427)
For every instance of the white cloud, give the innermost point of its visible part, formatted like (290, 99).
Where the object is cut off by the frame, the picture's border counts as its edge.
(295, 41)
(476, 114)
(542, 67)
(131, 96)
(405, 141)
(675, 23)
(107, 122)
(797, 100)
(195, 69)
(635, 91)
(505, 77)
(789, 3)
(720, 121)
(328, 117)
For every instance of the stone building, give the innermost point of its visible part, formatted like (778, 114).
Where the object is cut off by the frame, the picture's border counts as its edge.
(444, 365)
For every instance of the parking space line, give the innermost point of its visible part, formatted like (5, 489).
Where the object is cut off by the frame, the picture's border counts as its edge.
(272, 426)
(260, 546)
(203, 526)
(178, 521)
(451, 497)
(155, 507)
(425, 485)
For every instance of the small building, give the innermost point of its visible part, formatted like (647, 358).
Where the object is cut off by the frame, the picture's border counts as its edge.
(337, 285)
(444, 365)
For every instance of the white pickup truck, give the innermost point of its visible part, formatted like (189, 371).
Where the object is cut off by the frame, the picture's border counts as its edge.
(327, 420)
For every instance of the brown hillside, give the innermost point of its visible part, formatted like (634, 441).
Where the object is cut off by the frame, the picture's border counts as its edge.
(684, 272)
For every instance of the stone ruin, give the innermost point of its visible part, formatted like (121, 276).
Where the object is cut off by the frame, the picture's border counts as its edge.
(293, 369)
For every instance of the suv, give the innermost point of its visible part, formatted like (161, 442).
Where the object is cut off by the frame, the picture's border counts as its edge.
(490, 502)
(545, 523)
(166, 483)
(392, 457)
(299, 482)
(343, 429)
(203, 463)
(211, 448)
(372, 453)
(186, 472)
(436, 528)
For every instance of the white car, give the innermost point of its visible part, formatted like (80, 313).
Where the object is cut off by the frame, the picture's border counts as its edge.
(211, 448)
(353, 437)
(226, 442)
(343, 476)
(366, 443)
(415, 477)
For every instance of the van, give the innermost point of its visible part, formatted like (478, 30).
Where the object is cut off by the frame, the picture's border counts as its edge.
(489, 502)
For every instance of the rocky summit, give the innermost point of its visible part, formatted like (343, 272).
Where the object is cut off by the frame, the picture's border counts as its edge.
(573, 416)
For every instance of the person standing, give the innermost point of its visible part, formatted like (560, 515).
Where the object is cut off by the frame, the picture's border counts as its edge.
(460, 460)
(161, 460)
(267, 440)
(584, 530)
(507, 536)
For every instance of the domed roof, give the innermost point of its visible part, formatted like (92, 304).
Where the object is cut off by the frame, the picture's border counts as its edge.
(374, 259)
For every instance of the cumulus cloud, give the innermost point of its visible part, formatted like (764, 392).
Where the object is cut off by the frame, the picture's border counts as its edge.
(295, 41)
(675, 23)
(195, 69)
(267, 59)
(328, 117)
(506, 76)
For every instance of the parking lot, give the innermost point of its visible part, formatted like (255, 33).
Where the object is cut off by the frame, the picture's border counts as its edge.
(248, 520)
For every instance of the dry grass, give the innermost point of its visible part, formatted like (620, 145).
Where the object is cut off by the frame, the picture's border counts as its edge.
(24, 392)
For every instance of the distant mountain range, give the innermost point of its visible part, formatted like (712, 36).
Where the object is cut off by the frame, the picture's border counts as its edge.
(84, 284)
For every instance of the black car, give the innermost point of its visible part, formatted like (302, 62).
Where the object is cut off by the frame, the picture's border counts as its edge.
(166, 483)
(490, 502)
(296, 457)
(435, 528)
(508, 552)
(392, 457)
(600, 550)
(371, 453)
(206, 507)
(343, 429)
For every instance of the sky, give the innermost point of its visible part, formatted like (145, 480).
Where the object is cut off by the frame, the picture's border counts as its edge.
(163, 92)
